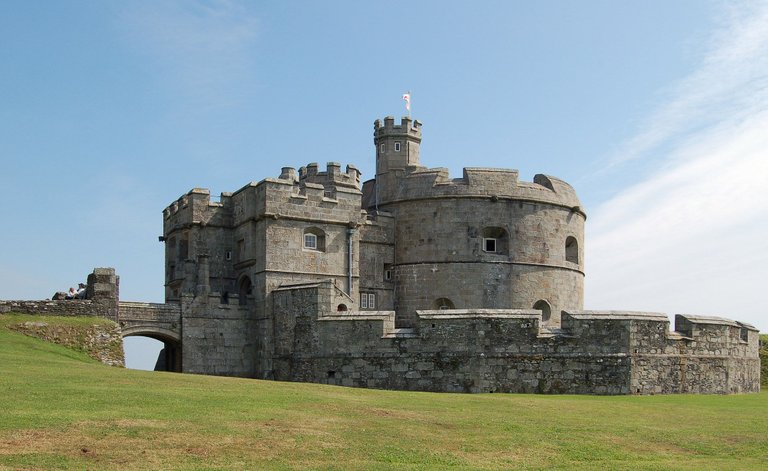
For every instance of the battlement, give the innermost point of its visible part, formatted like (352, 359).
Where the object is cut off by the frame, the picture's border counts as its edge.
(333, 176)
(416, 183)
(509, 350)
(195, 201)
(407, 127)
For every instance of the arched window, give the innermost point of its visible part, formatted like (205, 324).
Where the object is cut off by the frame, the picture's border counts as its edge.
(245, 289)
(571, 250)
(443, 303)
(341, 307)
(544, 307)
(495, 240)
(314, 239)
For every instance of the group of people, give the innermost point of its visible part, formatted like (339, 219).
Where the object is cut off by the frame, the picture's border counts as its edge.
(78, 293)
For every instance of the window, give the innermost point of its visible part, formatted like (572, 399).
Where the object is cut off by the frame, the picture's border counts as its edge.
(571, 250)
(397, 146)
(228, 255)
(443, 304)
(381, 148)
(341, 307)
(367, 301)
(245, 290)
(546, 310)
(184, 248)
(495, 240)
(310, 241)
(314, 239)
(387, 272)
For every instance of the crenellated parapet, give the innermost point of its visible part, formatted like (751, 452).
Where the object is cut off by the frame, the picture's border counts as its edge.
(493, 184)
(510, 350)
(331, 177)
(196, 207)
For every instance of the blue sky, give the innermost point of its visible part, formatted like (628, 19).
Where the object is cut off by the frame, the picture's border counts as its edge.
(656, 112)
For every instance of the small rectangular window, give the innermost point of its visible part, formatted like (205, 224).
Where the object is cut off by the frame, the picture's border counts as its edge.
(381, 148)
(387, 275)
(310, 241)
(363, 300)
(397, 146)
(489, 245)
(371, 301)
(228, 255)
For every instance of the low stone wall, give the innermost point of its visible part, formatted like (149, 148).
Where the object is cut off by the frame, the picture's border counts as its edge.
(169, 313)
(101, 341)
(74, 307)
(508, 351)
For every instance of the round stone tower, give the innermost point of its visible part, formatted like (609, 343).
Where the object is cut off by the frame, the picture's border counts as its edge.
(484, 241)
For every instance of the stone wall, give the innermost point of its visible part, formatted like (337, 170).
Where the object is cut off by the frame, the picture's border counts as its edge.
(74, 307)
(102, 293)
(217, 339)
(101, 341)
(440, 243)
(495, 350)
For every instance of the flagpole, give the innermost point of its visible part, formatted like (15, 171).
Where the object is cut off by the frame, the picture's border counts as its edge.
(409, 104)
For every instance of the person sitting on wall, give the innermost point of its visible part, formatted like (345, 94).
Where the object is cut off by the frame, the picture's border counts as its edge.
(71, 293)
(80, 293)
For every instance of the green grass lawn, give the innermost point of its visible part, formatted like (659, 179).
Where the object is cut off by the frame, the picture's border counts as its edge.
(61, 410)
(764, 361)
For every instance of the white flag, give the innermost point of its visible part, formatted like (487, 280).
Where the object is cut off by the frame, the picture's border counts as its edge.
(407, 98)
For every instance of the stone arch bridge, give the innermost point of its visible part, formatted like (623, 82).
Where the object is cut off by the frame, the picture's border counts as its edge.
(158, 321)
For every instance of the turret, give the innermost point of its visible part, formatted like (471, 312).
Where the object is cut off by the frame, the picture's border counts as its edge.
(397, 147)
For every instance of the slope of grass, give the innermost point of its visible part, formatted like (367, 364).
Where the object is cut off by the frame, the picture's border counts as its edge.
(62, 410)
(764, 361)
(97, 337)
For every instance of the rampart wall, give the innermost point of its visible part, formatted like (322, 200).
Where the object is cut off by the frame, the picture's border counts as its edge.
(74, 307)
(102, 292)
(506, 350)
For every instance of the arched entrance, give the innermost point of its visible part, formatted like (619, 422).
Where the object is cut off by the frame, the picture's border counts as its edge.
(168, 357)
(245, 290)
(545, 308)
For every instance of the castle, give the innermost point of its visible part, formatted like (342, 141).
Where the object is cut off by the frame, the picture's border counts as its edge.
(414, 281)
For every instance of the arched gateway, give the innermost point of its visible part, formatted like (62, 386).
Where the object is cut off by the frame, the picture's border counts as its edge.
(158, 321)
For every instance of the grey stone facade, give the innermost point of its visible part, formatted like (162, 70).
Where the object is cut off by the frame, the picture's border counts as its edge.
(414, 280)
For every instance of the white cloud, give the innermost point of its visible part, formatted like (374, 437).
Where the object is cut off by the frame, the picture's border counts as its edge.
(692, 236)
(731, 83)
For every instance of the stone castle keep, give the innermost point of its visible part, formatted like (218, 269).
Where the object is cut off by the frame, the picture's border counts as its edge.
(417, 281)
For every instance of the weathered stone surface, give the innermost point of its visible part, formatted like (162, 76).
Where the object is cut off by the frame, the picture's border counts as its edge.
(102, 342)
(415, 280)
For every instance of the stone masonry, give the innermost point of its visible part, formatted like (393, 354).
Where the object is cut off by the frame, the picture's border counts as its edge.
(414, 280)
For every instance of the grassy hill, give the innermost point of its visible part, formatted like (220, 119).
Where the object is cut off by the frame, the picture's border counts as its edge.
(60, 409)
(764, 361)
